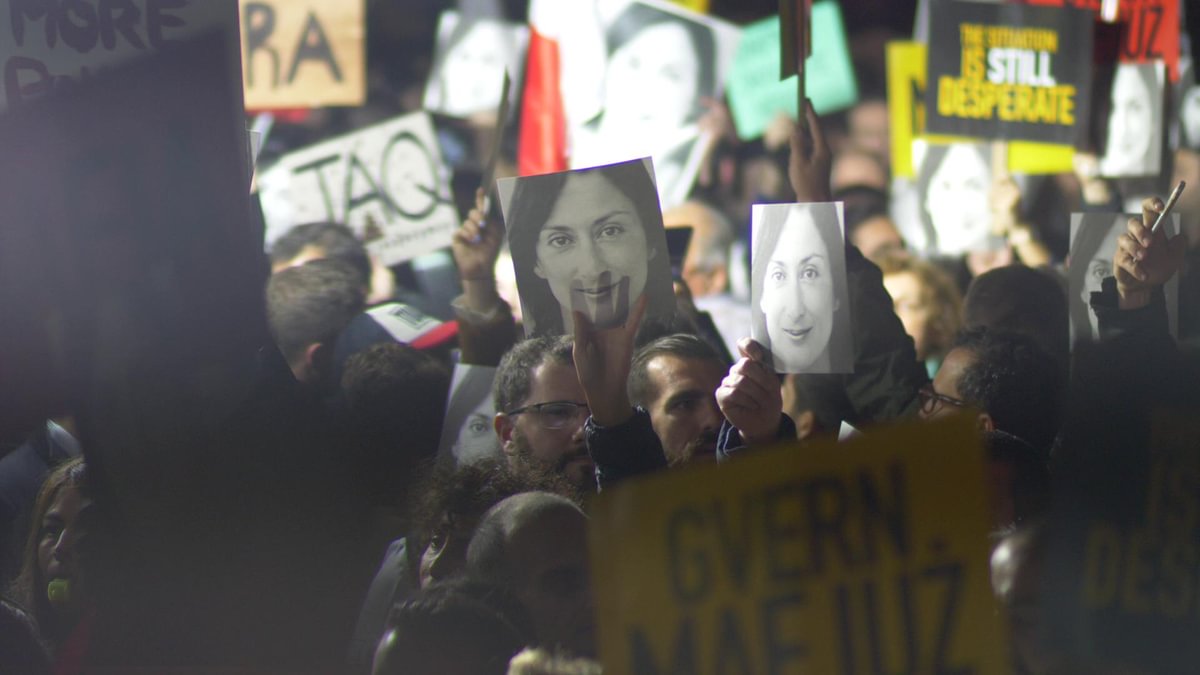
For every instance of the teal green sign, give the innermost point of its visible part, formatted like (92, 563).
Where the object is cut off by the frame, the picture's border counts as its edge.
(757, 95)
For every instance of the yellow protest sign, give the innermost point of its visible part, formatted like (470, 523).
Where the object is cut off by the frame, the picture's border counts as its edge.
(694, 5)
(864, 557)
(303, 53)
(906, 72)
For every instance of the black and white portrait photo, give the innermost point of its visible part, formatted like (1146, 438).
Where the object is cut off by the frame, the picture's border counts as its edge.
(1134, 136)
(954, 182)
(662, 63)
(467, 432)
(590, 240)
(469, 63)
(799, 299)
(1093, 244)
(1189, 117)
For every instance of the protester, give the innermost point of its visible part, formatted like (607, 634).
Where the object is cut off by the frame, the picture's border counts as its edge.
(928, 304)
(308, 306)
(675, 379)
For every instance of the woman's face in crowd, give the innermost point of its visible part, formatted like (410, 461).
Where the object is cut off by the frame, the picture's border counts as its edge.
(652, 81)
(957, 201)
(1189, 117)
(1130, 124)
(911, 303)
(446, 554)
(58, 537)
(798, 294)
(477, 437)
(1098, 267)
(592, 251)
(473, 71)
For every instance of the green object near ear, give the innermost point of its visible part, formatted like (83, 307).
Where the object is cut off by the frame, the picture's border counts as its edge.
(58, 591)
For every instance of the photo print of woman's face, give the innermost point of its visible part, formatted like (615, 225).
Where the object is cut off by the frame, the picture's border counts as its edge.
(471, 57)
(955, 182)
(1093, 244)
(468, 434)
(1189, 117)
(1134, 136)
(801, 312)
(590, 240)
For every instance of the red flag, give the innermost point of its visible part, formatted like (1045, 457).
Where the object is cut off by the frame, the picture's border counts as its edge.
(542, 146)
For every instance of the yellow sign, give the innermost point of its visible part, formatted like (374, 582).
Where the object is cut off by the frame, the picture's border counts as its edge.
(906, 74)
(303, 53)
(700, 6)
(869, 556)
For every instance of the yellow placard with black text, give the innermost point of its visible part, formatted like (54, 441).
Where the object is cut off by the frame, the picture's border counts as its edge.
(303, 53)
(862, 557)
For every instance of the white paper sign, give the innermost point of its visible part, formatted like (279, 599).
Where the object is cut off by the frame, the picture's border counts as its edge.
(48, 44)
(467, 432)
(386, 182)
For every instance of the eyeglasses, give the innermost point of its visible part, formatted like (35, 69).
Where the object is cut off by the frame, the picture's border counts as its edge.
(931, 400)
(555, 414)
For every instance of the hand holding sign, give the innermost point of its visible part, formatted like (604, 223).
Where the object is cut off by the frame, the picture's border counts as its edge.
(750, 397)
(1144, 258)
(476, 246)
(602, 362)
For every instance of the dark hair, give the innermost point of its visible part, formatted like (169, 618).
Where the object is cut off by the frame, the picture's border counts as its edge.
(1085, 247)
(335, 239)
(861, 203)
(473, 388)
(637, 17)
(514, 377)
(393, 394)
(488, 552)
(1030, 477)
(682, 345)
(825, 216)
(312, 303)
(29, 588)
(457, 621)
(934, 156)
(1016, 382)
(533, 199)
(1024, 300)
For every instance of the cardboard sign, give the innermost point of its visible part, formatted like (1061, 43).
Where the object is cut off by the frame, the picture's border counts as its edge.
(1093, 245)
(46, 46)
(123, 270)
(304, 53)
(386, 182)
(1146, 30)
(757, 96)
(800, 303)
(1009, 72)
(868, 556)
(589, 240)
(906, 72)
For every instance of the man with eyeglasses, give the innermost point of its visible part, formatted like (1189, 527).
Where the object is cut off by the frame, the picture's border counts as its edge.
(542, 410)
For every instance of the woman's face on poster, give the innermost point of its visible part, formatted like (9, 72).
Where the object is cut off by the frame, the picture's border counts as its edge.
(476, 436)
(1131, 122)
(592, 250)
(798, 298)
(1189, 117)
(652, 81)
(1098, 267)
(473, 71)
(957, 201)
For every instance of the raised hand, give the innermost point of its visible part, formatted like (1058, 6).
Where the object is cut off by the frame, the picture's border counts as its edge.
(1145, 259)
(750, 397)
(476, 246)
(602, 362)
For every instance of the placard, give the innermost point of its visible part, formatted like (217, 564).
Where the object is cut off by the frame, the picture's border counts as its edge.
(906, 72)
(1134, 134)
(470, 61)
(1093, 245)
(589, 240)
(386, 182)
(1009, 72)
(468, 434)
(799, 300)
(51, 45)
(868, 556)
(303, 53)
(1146, 30)
(757, 96)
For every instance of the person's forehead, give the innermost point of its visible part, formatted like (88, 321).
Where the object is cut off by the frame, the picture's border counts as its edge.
(799, 238)
(948, 375)
(554, 381)
(671, 371)
(549, 538)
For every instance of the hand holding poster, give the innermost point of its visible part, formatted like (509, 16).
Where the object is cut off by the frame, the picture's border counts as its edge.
(869, 556)
(590, 240)
(1009, 72)
(304, 53)
(386, 182)
(800, 306)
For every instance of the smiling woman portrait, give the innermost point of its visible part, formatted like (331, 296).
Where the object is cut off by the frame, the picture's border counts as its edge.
(590, 240)
(801, 310)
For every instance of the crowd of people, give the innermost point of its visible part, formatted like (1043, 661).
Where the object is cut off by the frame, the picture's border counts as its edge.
(319, 528)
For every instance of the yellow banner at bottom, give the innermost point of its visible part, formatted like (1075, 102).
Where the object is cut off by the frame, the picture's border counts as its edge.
(837, 559)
